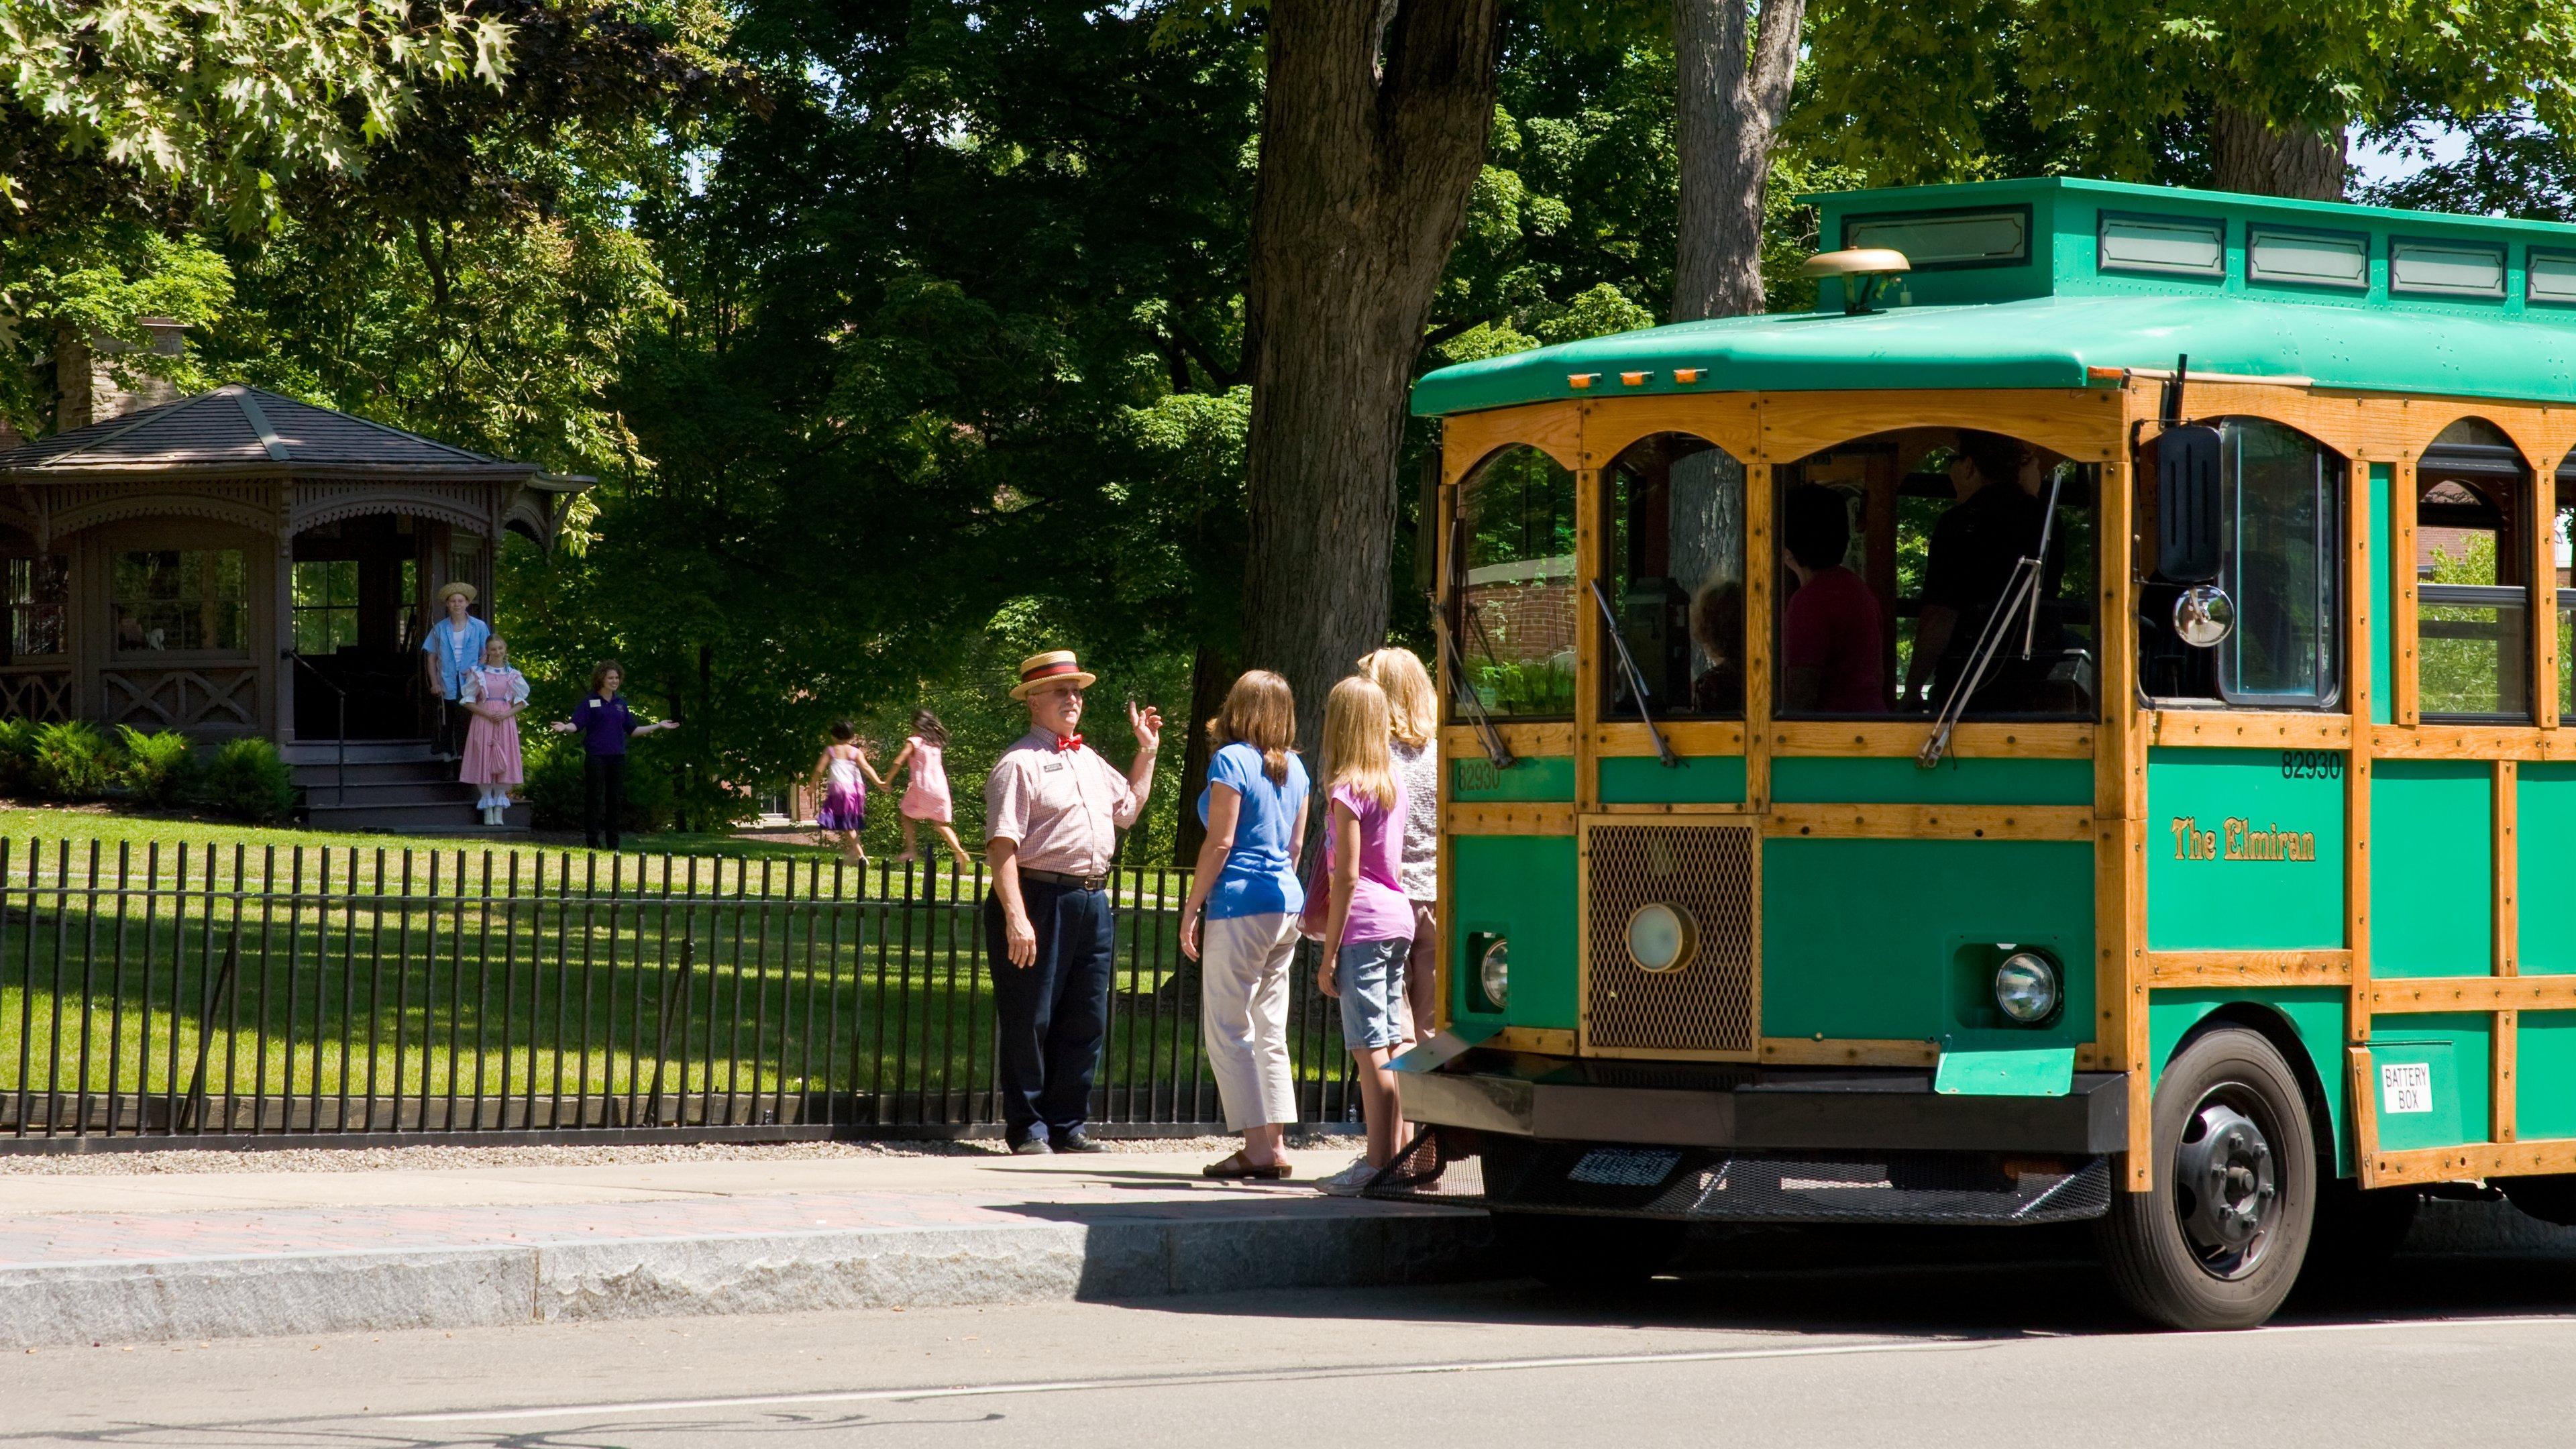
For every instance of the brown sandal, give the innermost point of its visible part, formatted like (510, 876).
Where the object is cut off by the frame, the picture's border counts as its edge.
(1239, 1168)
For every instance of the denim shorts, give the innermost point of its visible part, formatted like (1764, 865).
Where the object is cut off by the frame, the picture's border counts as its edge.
(1371, 977)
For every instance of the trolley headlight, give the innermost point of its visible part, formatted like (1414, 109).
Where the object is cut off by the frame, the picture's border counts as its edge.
(1662, 937)
(2027, 988)
(1494, 973)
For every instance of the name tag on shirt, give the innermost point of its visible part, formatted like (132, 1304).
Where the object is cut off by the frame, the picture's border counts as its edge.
(1050, 767)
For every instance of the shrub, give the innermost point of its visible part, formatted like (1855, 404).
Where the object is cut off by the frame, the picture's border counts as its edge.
(554, 787)
(156, 766)
(72, 760)
(248, 780)
(17, 755)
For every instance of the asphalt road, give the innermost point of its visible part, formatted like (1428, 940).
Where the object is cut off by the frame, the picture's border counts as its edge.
(1849, 1340)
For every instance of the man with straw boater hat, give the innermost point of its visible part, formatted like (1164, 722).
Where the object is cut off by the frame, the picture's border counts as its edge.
(1052, 812)
(454, 646)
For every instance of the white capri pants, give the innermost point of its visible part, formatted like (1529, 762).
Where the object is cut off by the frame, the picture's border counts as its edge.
(1243, 1016)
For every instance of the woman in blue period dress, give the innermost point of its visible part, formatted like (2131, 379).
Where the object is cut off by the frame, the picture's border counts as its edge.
(1255, 809)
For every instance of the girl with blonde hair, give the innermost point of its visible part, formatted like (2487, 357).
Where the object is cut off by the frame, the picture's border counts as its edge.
(1254, 808)
(1413, 719)
(1368, 931)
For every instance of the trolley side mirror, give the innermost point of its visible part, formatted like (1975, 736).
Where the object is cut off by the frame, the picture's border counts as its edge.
(2188, 506)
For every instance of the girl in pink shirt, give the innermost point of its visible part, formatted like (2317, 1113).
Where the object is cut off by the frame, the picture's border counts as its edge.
(925, 799)
(1369, 930)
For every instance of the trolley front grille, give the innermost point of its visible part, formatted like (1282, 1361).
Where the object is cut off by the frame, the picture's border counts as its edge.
(1707, 1002)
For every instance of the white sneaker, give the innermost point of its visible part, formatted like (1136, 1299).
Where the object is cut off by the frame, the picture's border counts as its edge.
(1349, 1181)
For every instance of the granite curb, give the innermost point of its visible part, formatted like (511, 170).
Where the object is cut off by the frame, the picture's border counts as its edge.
(480, 1285)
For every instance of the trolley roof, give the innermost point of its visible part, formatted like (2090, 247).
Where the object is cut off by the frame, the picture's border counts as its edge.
(2039, 283)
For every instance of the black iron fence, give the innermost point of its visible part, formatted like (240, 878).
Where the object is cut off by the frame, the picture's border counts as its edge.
(328, 994)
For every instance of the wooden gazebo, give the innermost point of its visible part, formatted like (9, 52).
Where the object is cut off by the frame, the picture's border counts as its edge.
(237, 562)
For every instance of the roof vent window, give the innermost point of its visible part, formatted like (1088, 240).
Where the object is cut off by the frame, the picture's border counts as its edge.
(2167, 245)
(1934, 240)
(2445, 269)
(2308, 258)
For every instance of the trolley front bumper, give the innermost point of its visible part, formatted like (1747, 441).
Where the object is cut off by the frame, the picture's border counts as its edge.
(1773, 1108)
(1752, 1144)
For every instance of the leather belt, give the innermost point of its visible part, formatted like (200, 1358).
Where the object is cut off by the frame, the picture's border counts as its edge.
(1054, 877)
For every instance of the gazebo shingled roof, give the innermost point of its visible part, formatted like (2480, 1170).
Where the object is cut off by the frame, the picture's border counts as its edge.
(236, 431)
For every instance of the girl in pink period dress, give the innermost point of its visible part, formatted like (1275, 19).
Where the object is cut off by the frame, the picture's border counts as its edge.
(925, 799)
(843, 774)
(494, 694)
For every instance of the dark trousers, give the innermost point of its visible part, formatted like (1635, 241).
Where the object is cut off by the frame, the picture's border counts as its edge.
(603, 797)
(454, 719)
(1053, 1012)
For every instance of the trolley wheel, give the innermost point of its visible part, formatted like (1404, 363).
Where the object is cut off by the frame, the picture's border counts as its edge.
(2551, 1199)
(2217, 1241)
(1587, 1254)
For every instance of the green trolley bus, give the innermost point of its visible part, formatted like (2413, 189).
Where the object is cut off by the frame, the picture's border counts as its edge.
(2061, 731)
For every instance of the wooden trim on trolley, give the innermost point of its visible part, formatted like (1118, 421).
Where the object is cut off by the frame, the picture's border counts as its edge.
(1761, 561)
(2356, 793)
(1511, 817)
(2545, 662)
(1468, 439)
(2408, 994)
(1589, 502)
(2247, 727)
(2174, 970)
(1540, 738)
(2083, 424)
(1904, 738)
(1687, 737)
(2474, 1160)
(1799, 1051)
(2405, 704)
(1546, 1041)
(1930, 822)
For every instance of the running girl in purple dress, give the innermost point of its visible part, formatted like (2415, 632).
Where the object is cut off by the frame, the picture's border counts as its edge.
(843, 774)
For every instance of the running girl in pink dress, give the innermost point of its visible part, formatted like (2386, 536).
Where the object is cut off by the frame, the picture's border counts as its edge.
(494, 694)
(840, 774)
(925, 799)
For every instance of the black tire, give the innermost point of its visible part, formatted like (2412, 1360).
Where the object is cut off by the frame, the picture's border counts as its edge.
(2218, 1240)
(2551, 1199)
(1585, 1254)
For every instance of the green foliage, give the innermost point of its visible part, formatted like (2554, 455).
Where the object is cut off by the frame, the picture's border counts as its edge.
(1962, 89)
(1532, 687)
(95, 282)
(17, 754)
(227, 96)
(554, 788)
(247, 779)
(72, 760)
(153, 768)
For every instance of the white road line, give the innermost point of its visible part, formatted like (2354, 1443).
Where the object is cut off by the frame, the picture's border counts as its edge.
(1060, 1386)
(1500, 1365)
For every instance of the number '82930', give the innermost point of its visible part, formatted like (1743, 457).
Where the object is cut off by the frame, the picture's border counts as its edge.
(2311, 765)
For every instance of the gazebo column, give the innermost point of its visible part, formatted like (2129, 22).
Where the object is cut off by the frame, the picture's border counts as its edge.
(275, 659)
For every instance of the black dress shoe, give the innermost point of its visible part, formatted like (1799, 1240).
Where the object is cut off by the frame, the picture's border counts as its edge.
(1077, 1140)
(1030, 1147)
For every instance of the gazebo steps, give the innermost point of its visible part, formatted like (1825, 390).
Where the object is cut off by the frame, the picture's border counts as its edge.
(455, 816)
(361, 752)
(390, 785)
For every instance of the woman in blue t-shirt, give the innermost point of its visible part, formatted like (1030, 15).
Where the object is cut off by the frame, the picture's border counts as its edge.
(1255, 810)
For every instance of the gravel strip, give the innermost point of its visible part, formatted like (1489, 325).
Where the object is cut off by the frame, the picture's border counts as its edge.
(434, 1158)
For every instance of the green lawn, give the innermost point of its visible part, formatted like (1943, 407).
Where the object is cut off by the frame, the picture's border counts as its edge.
(307, 965)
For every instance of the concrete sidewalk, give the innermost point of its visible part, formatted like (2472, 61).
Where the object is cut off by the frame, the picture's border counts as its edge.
(146, 1257)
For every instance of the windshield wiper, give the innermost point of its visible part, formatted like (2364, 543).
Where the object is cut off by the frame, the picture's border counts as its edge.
(2020, 597)
(1636, 677)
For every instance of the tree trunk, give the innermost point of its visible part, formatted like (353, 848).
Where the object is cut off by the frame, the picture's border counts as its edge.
(2249, 154)
(1732, 100)
(1364, 178)
(1211, 675)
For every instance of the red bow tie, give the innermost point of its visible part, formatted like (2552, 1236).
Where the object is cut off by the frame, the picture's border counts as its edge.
(1066, 743)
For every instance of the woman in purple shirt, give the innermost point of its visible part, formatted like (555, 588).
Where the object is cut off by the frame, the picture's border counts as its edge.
(604, 723)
